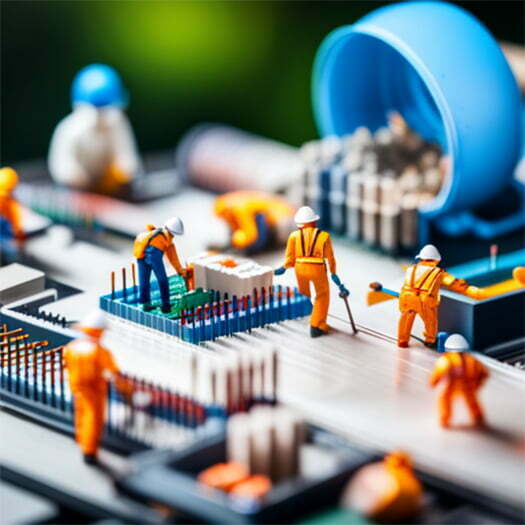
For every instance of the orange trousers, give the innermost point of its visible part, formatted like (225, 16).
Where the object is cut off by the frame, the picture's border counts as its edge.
(446, 398)
(411, 305)
(306, 274)
(90, 406)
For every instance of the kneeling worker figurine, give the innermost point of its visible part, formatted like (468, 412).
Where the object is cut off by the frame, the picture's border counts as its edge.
(462, 375)
(149, 250)
(307, 250)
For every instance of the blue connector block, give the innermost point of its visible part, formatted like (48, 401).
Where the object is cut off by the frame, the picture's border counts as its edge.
(276, 306)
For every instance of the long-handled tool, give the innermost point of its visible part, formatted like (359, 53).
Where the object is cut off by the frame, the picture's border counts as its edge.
(344, 297)
(379, 294)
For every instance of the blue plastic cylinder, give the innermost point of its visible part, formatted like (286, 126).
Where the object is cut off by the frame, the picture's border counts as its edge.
(443, 71)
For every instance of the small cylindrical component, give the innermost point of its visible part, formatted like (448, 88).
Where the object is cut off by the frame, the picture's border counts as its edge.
(370, 230)
(389, 212)
(263, 442)
(238, 439)
(354, 202)
(337, 199)
(134, 278)
(124, 291)
(61, 379)
(409, 220)
(289, 437)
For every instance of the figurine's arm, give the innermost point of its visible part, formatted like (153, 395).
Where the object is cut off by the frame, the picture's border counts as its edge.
(173, 258)
(329, 255)
(62, 160)
(440, 369)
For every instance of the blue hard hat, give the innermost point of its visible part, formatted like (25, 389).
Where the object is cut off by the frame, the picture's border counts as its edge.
(98, 85)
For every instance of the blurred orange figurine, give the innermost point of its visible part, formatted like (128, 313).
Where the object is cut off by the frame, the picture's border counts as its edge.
(386, 491)
(10, 209)
(307, 251)
(420, 296)
(255, 218)
(462, 375)
(89, 367)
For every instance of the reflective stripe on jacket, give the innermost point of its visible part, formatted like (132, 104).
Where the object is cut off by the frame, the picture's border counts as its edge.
(422, 277)
(309, 245)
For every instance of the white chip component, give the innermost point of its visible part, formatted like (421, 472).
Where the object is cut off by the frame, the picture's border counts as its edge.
(230, 274)
(18, 281)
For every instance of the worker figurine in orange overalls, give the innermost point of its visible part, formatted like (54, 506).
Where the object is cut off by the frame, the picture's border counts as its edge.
(307, 250)
(462, 375)
(387, 491)
(10, 209)
(90, 366)
(256, 219)
(149, 249)
(420, 295)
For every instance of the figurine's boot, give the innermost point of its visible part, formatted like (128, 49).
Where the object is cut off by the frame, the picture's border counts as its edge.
(317, 332)
(90, 459)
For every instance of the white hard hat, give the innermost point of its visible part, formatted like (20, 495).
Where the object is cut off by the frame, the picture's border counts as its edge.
(456, 343)
(175, 226)
(93, 324)
(304, 215)
(429, 252)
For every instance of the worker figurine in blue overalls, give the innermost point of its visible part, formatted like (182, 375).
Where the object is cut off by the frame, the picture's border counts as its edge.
(149, 249)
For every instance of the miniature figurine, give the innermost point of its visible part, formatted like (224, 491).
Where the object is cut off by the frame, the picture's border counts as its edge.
(149, 249)
(93, 148)
(256, 219)
(306, 251)
(386, 491)
(463, 375)
(10, 209)
(420, 295)
(89, 367)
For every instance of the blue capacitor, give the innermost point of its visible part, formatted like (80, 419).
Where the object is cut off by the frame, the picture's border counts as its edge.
(439, 67)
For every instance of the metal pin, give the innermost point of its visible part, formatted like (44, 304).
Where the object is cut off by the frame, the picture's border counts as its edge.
(17, 350)
(288, 303)
(43, 373)
(227, 316)
(124, 291)
(134, 278)
(26, 374)
(112, 286)
(35, 369)
(52, 372)
(61, 379)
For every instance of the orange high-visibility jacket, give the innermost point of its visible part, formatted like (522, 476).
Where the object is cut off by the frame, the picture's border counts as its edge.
(86, 361)
(11, 211)
(309, 245)
(423, 279)
(459, 368)
(161, 240)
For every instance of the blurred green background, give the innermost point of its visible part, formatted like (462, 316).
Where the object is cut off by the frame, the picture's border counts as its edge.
(244, 63)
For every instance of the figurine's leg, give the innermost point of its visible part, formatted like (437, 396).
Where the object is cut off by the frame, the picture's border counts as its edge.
(144, 281)
(473, 406)
(322, 299)
(429, 314)
(404, 327)
(445, 406)
(162, 279)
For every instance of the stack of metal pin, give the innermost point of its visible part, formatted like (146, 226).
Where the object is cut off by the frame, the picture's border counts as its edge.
(370, 187)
